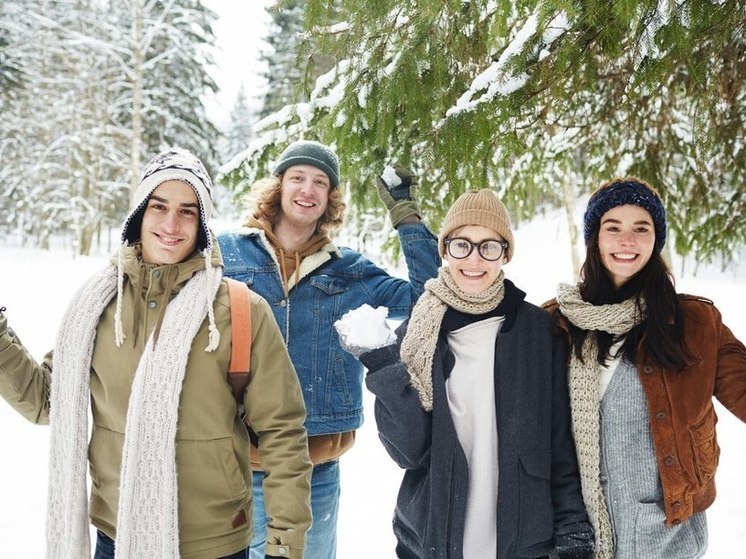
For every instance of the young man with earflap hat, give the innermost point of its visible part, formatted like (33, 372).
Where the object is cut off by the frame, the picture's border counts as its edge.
(144, 349)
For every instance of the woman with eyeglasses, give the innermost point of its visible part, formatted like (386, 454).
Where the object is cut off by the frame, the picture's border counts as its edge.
(472, 403)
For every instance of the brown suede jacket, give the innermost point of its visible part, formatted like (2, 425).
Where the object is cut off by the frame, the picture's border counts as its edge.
(681, 411)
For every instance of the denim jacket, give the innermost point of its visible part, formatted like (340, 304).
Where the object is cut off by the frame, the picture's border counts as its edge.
(332, 282)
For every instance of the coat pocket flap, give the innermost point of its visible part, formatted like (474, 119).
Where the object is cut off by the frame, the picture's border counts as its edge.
(537, 464)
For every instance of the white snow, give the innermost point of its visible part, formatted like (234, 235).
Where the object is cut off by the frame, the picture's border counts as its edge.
(390, 177)
(366, 327)
(36, 286)
(495, 78)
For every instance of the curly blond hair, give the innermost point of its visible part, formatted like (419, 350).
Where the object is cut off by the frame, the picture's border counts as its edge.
(267, 204)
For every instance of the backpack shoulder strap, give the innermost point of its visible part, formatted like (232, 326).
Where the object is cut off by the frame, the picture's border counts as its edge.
(240, 365)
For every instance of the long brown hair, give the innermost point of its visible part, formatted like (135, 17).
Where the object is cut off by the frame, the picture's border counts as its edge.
(267, 204)
(661, 333)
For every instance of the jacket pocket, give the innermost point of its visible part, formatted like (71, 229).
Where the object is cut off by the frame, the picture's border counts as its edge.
(105, 458)
(330, 285)
(705, 448)
(652, 538)
(212, 487)
(413, 508)
(536, 512)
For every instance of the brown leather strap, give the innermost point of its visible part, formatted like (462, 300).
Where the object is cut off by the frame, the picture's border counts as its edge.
(240, 365)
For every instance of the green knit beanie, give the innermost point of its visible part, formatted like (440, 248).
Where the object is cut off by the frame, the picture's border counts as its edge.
(307, 152)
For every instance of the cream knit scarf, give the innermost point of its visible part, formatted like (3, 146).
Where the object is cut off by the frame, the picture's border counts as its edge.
(418, 345)
(147, 524)
(615, 319)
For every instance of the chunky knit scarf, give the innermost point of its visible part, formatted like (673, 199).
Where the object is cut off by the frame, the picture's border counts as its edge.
(147, 524)
(615, 319)
(418, 345)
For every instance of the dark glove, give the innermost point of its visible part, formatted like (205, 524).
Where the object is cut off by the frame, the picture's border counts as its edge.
(575, 545)
(376, 359)
(395, 188)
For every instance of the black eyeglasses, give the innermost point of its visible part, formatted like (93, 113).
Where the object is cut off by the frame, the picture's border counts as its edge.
(489, 249)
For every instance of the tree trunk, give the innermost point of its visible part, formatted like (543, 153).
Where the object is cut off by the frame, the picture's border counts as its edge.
(137, 86)
(568, 200)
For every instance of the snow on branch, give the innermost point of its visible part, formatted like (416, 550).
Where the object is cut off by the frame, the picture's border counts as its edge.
(498, 79)
(652, 23)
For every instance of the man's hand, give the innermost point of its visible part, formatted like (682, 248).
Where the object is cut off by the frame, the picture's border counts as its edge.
(395, 189)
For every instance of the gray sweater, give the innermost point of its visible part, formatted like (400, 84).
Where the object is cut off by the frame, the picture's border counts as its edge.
(629, 477)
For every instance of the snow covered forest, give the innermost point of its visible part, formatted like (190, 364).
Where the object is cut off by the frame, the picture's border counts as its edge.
(89, 90)
(540, 100)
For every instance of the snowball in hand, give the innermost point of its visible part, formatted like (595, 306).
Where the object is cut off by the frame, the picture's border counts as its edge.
(365, 328)
(390, 177)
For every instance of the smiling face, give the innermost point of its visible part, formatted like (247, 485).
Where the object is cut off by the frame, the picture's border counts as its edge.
(474, 274)
(626, 239)
(304, 195)
(169, 224)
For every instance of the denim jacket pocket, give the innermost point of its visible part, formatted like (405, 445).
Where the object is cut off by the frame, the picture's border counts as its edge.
(330, 285)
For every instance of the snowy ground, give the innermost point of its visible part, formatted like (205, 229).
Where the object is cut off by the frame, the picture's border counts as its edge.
(36, 285)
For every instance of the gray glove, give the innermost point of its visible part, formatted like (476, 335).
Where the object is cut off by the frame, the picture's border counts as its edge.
(3, 321)
(395, 188)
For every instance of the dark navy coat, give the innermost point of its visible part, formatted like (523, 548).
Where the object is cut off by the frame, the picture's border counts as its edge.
(538, 489)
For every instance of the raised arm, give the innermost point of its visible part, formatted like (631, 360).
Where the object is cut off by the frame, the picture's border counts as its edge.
(396, 189)
(24, 383)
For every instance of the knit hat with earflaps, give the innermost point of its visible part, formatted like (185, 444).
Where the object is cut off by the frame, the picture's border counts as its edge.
(478, 207)
(307, 152)
(172, 164)
(620, 192)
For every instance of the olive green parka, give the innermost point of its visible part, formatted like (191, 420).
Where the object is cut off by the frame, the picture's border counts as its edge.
(212, 445)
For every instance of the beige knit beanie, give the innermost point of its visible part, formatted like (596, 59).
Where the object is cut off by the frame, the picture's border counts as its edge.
(478, 207)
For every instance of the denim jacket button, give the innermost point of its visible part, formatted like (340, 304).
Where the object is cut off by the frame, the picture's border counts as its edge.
(283, 303)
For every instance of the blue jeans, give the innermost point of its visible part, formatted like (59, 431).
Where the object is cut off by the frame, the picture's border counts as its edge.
(321, 541)
(105, 549)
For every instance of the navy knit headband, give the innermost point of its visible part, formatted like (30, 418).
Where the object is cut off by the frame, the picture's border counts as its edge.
(619, 193)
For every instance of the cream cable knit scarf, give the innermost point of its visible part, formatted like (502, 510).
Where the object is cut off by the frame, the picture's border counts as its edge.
(418, 345)
(147, 523)
(583, 385)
